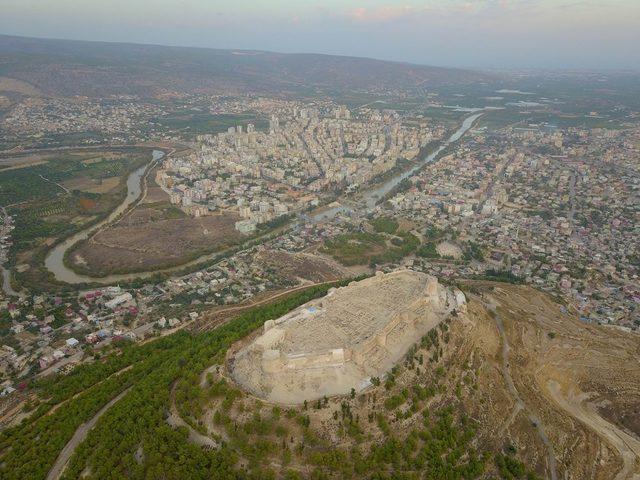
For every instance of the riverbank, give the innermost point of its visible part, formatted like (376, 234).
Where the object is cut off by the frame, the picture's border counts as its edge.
(55, 260)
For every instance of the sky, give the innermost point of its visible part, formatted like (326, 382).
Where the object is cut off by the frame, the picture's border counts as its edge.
(553, 34)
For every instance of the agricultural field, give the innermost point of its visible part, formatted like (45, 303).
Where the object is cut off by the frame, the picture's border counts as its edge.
(60, 195)
(154, 235)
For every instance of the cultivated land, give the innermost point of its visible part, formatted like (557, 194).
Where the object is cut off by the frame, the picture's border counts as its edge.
(55, 194)
(153, 235)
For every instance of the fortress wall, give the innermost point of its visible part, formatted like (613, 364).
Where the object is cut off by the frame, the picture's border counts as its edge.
(344, 361)
(274, 361)
(270, 338)
(380, 339)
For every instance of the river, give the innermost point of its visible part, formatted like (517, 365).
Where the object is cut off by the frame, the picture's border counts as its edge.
(370, 197)
(54, 261)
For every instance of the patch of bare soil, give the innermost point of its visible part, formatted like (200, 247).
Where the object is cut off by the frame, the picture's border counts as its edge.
(147, 240)
(86, 184)
(12, 85)
(306, 267)
(154, 192)
(571, 376)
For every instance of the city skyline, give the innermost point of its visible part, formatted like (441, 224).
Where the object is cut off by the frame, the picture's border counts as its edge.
(476, 34)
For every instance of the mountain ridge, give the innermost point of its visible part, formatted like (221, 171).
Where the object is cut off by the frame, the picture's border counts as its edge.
(74, 67)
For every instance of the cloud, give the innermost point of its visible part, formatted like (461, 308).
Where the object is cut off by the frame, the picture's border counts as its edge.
(382, 13)
(450, 8)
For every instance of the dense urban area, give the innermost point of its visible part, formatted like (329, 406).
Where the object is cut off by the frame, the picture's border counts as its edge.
(134, 226)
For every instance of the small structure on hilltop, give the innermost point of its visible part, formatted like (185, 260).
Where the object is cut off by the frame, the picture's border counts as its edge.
(339, 342)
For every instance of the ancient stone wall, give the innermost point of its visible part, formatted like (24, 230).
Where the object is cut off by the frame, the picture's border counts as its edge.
(331, 345)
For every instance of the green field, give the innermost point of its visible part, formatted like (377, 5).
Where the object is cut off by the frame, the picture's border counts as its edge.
(196, 122)
(45, 211)
(387, 245)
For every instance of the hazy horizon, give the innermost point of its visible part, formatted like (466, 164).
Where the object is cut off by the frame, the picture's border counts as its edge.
(488, 34)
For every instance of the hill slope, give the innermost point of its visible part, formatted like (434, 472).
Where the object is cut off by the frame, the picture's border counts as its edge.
(65, 67)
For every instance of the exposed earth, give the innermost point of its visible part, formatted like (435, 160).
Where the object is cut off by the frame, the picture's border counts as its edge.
(533, 379)
(339, 342)
(154, 235)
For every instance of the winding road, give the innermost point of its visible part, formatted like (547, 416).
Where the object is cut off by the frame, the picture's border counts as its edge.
(577, 405)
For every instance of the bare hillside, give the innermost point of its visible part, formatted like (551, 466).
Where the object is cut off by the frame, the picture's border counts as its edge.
(64, 67)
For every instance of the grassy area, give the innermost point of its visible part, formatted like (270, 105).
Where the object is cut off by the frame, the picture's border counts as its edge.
(387, 245)
(357, 248)
(194, 122)
(44, 212)
(384, 225)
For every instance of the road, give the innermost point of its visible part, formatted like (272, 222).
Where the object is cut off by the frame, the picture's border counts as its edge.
(578, 406)
(572, 197)
(175, 420)
(6, 273)
(199, 325)
(78, 437)
(66, 190)
(520, 405)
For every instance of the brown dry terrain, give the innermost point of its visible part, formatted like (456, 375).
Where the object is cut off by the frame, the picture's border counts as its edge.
(154, 192)
(22, 161)
(569, 380)
(562, 396)
(18, 86)
(153, 237)
(90, 185)
(305, 267)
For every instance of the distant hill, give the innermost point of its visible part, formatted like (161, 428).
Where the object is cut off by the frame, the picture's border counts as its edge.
(65, 67)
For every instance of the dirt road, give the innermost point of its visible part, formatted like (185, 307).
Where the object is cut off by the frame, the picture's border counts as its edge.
(201, 325)
(578, 406)
(175, 420)
(520, 405)
(78, 437)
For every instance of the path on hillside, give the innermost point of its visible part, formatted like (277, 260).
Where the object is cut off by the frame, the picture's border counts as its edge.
(200, 325)
(78, 437)
(578, 406)
(175, 420)
(520, 405)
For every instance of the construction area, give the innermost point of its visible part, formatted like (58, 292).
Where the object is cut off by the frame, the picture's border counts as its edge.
(340, 342)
